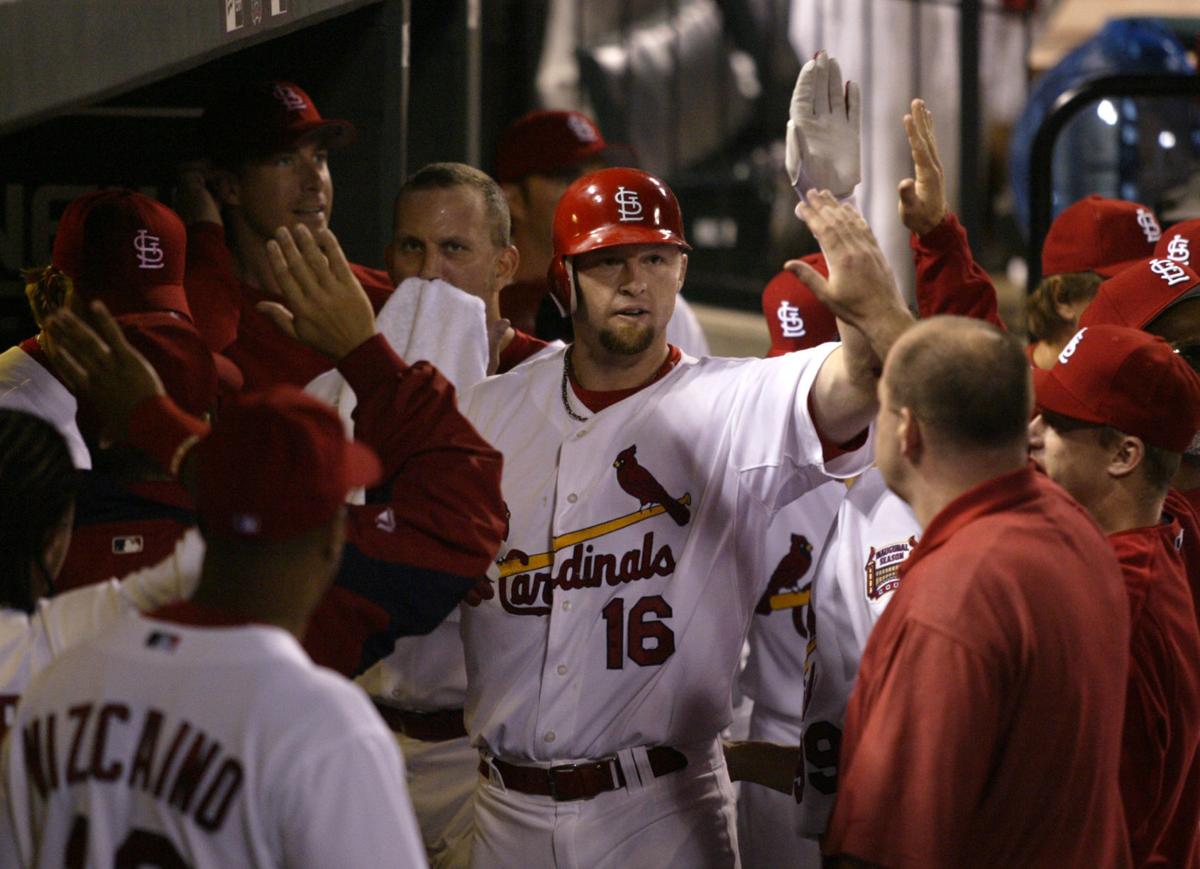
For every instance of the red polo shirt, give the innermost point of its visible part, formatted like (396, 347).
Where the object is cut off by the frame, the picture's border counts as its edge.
(985, 727)
(1160, 764)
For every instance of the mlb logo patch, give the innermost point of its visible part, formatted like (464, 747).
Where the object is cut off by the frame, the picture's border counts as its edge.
(130, 544)
(162, 641)
(883, 567)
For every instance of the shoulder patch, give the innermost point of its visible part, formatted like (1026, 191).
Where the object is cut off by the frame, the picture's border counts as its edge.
(883, 567)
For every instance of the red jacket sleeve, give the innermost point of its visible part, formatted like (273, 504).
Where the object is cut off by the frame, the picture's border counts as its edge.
(949, 281)
(439, 506)
(211, 284)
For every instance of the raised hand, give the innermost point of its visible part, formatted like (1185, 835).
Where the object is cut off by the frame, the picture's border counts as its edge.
(324, 306)
(823, 149)
(102, 365)
(923, 198)
(860, 284)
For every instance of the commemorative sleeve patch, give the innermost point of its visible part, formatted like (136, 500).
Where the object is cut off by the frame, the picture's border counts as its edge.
(883, 567)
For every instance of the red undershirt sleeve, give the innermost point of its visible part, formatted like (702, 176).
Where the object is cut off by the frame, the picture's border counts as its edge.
(949, 280)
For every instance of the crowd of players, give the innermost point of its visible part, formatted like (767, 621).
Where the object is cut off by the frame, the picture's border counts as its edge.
(504, 487)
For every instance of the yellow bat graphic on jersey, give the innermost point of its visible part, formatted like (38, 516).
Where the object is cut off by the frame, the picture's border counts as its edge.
(515, 564)
(790, 599)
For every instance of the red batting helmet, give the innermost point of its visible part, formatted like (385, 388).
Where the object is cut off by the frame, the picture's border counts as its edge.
(605, 209)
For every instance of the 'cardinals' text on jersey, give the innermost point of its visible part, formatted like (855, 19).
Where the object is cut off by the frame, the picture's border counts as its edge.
(626, 585)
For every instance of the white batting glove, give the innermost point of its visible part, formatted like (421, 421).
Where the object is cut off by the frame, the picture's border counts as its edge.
(823, 130)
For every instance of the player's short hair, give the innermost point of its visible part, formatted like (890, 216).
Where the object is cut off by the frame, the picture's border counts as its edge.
(965, 379)
(1041, 308)
(38, 483)
(444, 176)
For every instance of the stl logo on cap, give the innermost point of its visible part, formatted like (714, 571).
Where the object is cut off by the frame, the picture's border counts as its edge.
(291, 100)
(628, 204)
(149, 250)
(790, 321)
(1069, 350)
(1177, 250)
(1149, 225)
(1169, 271)
(583, 131)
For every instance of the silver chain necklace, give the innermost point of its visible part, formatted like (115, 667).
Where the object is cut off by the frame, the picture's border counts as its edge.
(568, 373)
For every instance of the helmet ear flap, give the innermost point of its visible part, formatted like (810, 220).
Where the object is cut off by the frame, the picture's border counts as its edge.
(562, 284)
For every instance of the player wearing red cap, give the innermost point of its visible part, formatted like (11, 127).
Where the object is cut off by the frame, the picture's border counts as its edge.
(268, 146)
(537, 158)
(639, 483)
(1115, 413)
(985, 725)
(201, 734)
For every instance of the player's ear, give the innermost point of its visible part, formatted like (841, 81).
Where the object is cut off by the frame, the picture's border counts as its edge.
(909, 434)
(683, 261)
(1126, 456)
(506, 266)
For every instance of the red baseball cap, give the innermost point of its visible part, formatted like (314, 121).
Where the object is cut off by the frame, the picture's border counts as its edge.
(1140, 293)
(277, 464)
(546, 142)
(125, 249)
(1099, 235)
(1125, 378)
(1178, 242)
(263, 117)
(796, 318)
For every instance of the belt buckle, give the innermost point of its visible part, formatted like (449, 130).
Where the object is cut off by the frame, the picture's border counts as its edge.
(552, 779)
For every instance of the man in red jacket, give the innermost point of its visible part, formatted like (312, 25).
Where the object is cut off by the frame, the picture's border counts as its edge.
(1117, 410)
(268, 146)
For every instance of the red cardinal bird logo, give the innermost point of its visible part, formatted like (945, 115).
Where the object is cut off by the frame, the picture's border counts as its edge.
(787, 575)
(640, 483)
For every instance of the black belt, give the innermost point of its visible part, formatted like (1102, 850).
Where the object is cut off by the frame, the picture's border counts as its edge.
(579, 781)
(439, 726)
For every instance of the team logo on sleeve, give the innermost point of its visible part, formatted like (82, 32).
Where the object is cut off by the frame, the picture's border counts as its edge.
(527, 581)
(883, 567)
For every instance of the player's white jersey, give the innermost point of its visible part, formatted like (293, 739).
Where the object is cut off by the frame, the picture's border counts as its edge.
(169, 745)
(626, 584)
(779, 632)
(29, 642)
(26, 385)
(873, 534)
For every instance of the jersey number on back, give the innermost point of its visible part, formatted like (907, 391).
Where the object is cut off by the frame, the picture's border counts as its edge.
(650, 641)
(140, 849)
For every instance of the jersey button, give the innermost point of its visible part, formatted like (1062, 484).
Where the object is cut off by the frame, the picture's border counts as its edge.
(572, 498)
(566, 606)
(562, 669)
(550, 736)
(580, 434)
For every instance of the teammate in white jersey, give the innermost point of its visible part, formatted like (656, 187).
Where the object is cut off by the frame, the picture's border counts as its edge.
(37, 495)
(640, 483)
(201, 734)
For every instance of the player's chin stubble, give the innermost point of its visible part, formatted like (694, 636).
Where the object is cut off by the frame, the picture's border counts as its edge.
(627, 341)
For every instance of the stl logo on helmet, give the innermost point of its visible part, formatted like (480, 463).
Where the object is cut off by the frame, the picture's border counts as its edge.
(149, 253)
(1177, 250)
(629, 206)
(1170, 271)
(1149, 225)
(1069, 350)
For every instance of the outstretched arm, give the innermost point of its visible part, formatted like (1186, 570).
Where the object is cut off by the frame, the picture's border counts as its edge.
(949, 281)
(862, 293)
